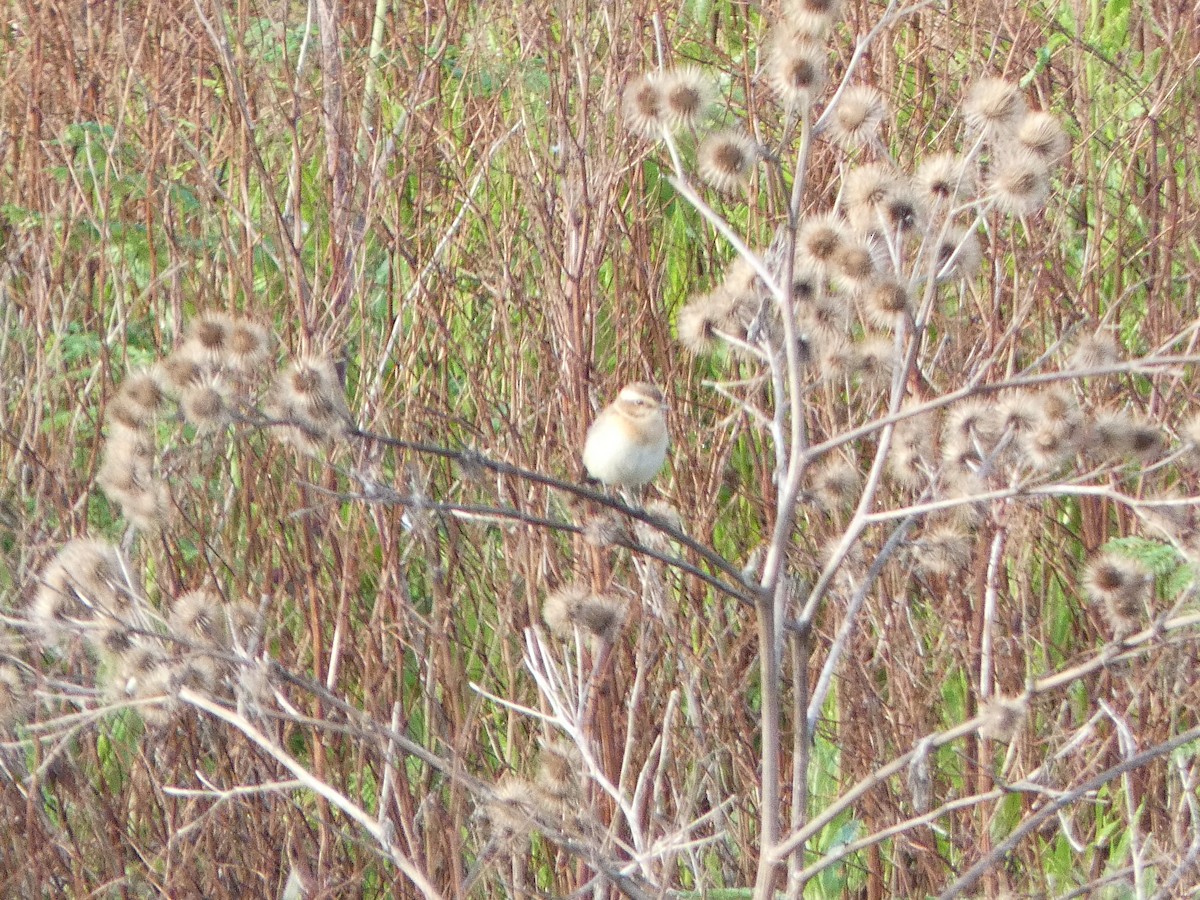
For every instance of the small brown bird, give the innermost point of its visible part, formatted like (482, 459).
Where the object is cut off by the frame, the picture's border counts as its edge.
(627, 444)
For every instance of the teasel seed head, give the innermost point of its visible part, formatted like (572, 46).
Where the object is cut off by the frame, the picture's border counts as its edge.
(1004, 717)
(1121, 587)
(795, 68)
(1020, 182)
(943, 550)
(945, 178)
(726, 158)
(644, 106)
(994, 107)
(859, 114)
(1043, 135)
(686, 95)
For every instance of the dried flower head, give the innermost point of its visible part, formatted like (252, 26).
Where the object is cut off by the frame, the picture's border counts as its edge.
(957, 254)
(726, 158)
(1003, 717)
(308, 392)
(560, 766)
(701, 319)
(251, 347)
(686, 95)
(198, 617)
(856, 120)
(994, 107)
(837, 483)
(1120, 434)
(596, 616)
(83, 589)
(945, 178)
(909, 463)
(943, 550)
(644, 106)
(819, 240)
(510, 812)
(205, 402)
(1043, 135)
(884, 301)
(864, 191)
(207, 338)
(1121, 586)
(795, 68)
(855, 264)
(1099, 350)
(1019, 182)
(655, 538)
(137, 401)
(180, 370)
(875, 360)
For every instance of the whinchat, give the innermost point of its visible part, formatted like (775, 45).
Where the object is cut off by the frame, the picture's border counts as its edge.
(627, 444)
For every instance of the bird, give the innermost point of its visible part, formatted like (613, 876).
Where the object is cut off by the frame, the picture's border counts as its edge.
(627, 444)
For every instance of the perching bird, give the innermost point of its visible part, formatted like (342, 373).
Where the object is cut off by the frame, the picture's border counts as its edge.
(627, 444)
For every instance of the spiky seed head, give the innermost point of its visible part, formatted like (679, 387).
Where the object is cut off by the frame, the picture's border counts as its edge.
(864, 191)
(205, 403)
(1003, 718)
(958, 254)
(1043, 135)
(1121, 586)
(943, 550)
(1048, 446)
(973, 421)
(148, 508)
(884, 301)
(807, 281)
(1019, 182)
(309, 393)
(510, 812)
(701, 319)
(1098, 350)
(1120, 434)
(686, 95)
(560, 765)
(644, 106)
(250, 346)
(180, 370)
(876, 360)
(902, 209)
(859, 114)
(994, 107)
(1019, 411)
(207, 338)
(837, 483)
(945, 178)
(837, 357)
(795, 68)
(198, 617)
(652, 537)
(854, 264)
(137, 401)
(820, 239)
(602, 530)
(597, 616)
(726, 158)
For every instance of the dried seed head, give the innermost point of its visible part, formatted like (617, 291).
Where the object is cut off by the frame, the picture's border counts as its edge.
(198, 617)
(875, 361)
(686, 95)
(945, 178)
(1043, 135)
(856, 120)
(1121, 587)
(597, 616)
(837, 356)
(1096, 351)
(912, 450)
(180, 370)
(1019, 411)
(83, 589)
(510, 812)
(994, 107)
(654, 538)
(854, 264)
(205, 403)
(884, 301)
(137, 401)
(902, 210)
(1120, 434)
(206, 338)
(250, 347)
(147, 508)
(943, 550)
(725, 159)
(602, 530)
(1019, 182)
(308, 392)
(1004, 716)
(795, 68)
(820, 239)
(701, 319)
(644, 106)
(865, 190)
(837, 483)
(958, 254)
(560, 766)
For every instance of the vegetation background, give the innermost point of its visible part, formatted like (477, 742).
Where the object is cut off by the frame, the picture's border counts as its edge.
(445, 199)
